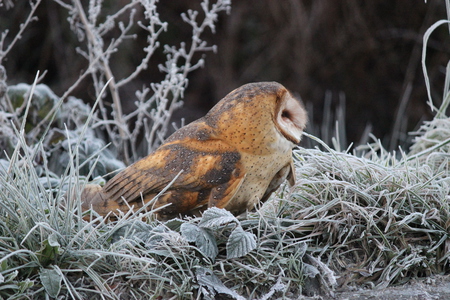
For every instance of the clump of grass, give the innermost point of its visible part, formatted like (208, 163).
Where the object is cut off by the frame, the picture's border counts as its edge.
(378, 220)
(47, 249)
(375, 219)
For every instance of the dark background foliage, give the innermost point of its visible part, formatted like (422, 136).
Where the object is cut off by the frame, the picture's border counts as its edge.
(364, 52)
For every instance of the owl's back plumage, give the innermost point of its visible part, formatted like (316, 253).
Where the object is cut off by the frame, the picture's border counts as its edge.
(232, 158)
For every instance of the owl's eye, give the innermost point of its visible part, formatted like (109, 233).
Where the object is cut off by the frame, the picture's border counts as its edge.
(285, 114)
(291, 119)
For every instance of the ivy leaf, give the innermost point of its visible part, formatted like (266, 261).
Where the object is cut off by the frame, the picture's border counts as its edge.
(215, 217)
(301, 249)
(203, 239)
(51, 280)
(174, 224)
(310, 270)
(210, 285)
(53, 242)
(24, 285)
(240, 243)
(50, 250)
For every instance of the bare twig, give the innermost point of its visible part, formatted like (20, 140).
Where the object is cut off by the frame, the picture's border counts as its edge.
(18, 36)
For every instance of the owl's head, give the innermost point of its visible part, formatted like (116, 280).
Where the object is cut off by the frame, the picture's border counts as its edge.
(290, 116)
(251, 111)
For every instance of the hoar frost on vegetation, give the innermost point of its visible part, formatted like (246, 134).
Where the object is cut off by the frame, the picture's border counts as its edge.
(373, 219)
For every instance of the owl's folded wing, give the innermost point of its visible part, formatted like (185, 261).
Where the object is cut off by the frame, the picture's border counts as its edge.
(200, 169)
(204, 177)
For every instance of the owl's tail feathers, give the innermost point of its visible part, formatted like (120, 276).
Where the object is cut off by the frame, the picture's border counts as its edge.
(93, 197)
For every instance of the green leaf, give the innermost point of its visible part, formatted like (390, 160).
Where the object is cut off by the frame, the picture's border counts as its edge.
(202, 237)
(136, 229)
(53, 242)
(49, 250)
(24, 285)
(240, 243)
(310, 270)
(51, 280)
(11, 276)
(215, 217)
(210, 285)
(174, 224)
(4, 265)
(301, 249)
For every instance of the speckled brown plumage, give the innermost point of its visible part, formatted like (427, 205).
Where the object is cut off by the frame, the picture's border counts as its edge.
(232, 158)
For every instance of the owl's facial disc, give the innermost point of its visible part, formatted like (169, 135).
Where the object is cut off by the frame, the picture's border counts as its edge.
(291, 118)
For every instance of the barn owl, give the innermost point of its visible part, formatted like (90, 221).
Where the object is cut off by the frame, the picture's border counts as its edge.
(234, 157)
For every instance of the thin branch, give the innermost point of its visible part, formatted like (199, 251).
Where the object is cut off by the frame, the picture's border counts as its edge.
(18, 36)
(117, 105)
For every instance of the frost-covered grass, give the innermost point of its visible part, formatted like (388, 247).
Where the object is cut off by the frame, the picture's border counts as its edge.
(379, 219)
(47, 249)
(373, 219)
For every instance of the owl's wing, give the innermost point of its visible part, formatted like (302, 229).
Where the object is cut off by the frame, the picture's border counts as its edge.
(209, 169)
